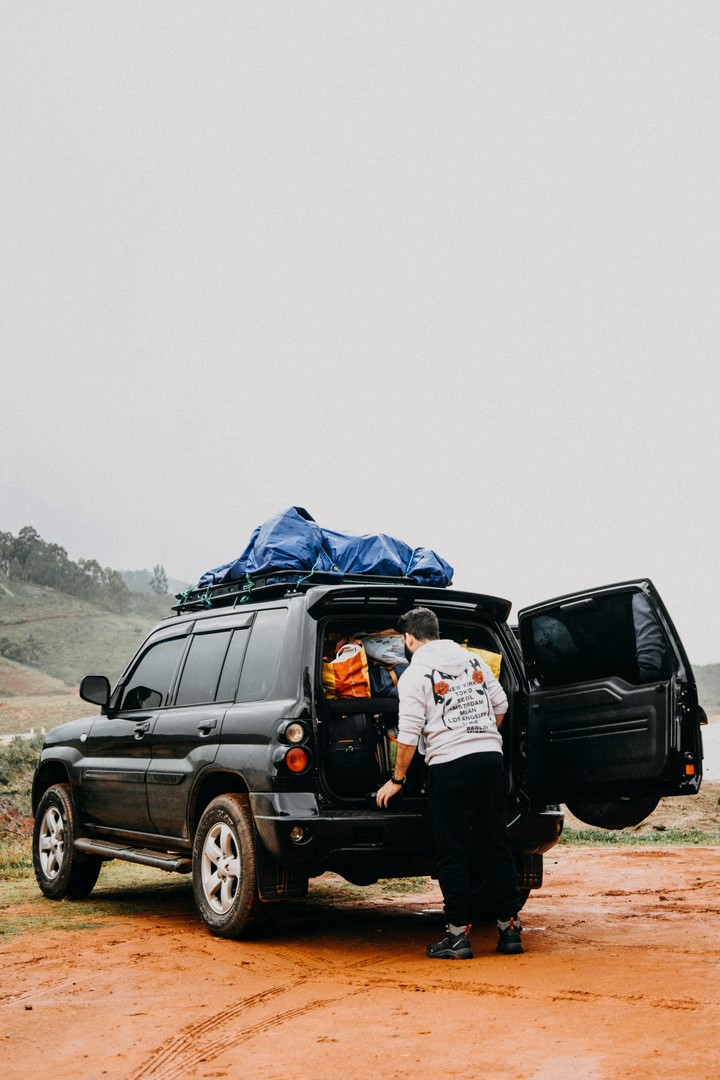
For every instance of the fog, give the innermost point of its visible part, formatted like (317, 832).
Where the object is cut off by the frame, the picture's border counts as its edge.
(446, 272)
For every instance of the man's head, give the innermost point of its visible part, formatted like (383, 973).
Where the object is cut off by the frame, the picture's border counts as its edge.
(418, 626)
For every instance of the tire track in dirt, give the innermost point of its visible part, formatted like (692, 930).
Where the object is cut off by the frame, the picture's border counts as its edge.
(178, 1047)
(187, 1050)
(12, 999)
(487, 990)
(205, 1041)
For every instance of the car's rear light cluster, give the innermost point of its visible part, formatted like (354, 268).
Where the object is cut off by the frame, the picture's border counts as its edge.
(293, 755)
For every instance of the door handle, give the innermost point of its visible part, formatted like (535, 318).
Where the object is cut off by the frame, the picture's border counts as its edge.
(206, 726)
(141, 729)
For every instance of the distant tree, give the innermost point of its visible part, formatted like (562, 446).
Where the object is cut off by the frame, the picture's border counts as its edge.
(27, 539)
(48, 564)
(24, 545)
(27, 557)
(29, 651)
(7, 545)
(116, 595)
(158, 581)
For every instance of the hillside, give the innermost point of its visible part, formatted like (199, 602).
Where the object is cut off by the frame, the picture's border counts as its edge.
(65, 637)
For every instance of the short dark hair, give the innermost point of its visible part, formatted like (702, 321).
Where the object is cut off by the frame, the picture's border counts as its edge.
(421, 622)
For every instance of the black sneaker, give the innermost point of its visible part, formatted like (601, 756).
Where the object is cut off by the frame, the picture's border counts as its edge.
(452, 947)
(509, 939)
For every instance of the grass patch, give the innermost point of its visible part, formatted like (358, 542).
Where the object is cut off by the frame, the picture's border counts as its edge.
(122, 890)
(680, 837)
(15, 858)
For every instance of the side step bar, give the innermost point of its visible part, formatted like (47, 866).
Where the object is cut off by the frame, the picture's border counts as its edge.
(178, 864)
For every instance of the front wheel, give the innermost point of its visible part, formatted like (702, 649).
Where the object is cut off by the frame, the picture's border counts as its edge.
(224, 868)
(61, 872)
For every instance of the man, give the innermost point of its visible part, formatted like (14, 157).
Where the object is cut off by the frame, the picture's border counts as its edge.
(451, 698)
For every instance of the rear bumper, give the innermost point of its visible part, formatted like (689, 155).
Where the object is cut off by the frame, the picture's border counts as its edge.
(296, 832)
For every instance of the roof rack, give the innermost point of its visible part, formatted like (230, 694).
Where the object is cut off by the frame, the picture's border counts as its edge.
(275, 582)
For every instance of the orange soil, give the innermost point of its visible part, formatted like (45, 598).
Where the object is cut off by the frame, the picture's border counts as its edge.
(619, 979)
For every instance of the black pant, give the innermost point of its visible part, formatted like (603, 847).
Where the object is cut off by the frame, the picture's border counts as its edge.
(468, 802)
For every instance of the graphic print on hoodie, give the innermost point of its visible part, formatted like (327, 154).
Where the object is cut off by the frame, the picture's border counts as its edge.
(463, 698)
(449, 698)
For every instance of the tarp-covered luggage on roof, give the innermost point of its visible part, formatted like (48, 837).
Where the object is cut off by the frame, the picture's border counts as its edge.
(293, 541)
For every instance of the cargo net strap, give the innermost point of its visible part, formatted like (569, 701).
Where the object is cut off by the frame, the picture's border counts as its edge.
(313, 568)
(247, 588)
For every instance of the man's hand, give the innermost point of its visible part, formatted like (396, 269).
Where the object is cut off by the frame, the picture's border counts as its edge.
(403, 756)
(386, 792)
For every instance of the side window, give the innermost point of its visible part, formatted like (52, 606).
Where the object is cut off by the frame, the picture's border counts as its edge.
(150, 683)
(263, 655)
(201, 673)
(231, 668)
(617, 635)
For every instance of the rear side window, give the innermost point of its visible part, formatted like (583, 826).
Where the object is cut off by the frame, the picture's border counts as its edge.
(150, 683)
(617, 635)
(231, 668)
(201, 673)
(263, 655)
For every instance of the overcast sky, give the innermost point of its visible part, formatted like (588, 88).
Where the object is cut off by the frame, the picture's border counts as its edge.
(443, 270)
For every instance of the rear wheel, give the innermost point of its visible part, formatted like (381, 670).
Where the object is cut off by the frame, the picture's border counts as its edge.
(61, 872)
(224, 868)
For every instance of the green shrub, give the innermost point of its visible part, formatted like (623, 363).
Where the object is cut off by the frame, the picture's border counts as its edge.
(15, 857)
(17, 765)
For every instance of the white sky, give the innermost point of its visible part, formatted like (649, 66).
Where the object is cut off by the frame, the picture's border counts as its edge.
(447, 271)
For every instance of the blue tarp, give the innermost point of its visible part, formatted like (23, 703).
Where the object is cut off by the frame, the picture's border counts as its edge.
(293, 541)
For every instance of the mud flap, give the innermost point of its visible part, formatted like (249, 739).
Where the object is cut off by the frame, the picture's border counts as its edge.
(530, 871)
(275, 880)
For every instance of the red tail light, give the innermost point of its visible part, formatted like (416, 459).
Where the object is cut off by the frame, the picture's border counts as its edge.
(297, 759)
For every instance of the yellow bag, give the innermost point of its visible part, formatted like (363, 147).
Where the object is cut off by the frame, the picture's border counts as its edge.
(347, 675)
(492, 659)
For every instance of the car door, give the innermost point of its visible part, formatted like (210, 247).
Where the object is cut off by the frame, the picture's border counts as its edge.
(613, 709)
(186, 736)
(112, 791)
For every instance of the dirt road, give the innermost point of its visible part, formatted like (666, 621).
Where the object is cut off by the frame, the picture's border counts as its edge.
(619, 979)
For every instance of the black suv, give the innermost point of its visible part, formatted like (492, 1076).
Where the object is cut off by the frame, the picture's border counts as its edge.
(219, 753)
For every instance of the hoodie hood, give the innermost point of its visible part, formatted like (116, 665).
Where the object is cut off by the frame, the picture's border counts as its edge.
(443, 655)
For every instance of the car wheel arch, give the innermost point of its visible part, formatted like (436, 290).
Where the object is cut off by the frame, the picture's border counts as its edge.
(210, 785)
(48, 774)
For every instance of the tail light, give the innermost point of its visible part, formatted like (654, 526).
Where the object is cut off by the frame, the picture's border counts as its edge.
(297, 759)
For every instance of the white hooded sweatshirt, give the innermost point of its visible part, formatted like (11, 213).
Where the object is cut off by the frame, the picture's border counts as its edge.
(449, 696)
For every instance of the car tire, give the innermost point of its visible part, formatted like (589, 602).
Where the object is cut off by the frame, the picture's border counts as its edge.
(61, 872)
(614, 813)
(224, 868)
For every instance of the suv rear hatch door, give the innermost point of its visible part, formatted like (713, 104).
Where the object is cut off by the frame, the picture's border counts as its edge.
(613, 702)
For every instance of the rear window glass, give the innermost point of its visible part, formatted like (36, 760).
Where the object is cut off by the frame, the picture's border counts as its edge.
(601, 637)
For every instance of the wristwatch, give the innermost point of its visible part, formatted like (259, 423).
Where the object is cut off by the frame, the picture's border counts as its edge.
(394, 780)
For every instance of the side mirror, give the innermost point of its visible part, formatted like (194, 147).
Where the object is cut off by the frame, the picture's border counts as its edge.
(96, 689)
